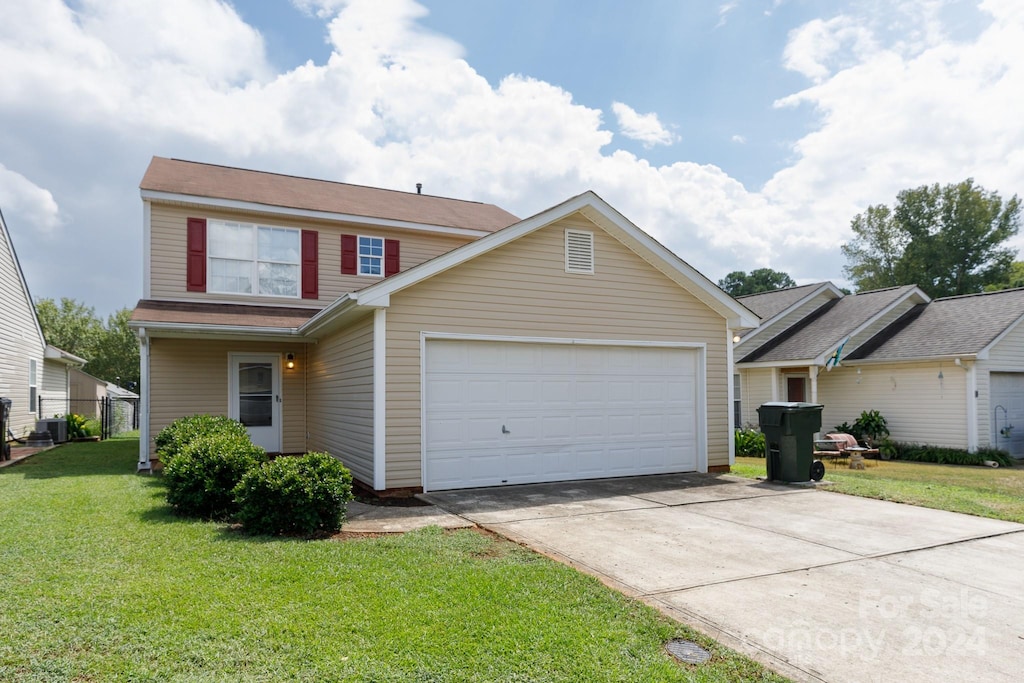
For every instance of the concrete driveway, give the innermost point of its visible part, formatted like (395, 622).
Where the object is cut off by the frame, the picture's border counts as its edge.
(817, 585)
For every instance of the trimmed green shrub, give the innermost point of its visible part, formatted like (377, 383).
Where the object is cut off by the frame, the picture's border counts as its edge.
(201, 478)
(175, 436)
(749, 442)
(951, 456)
(871, 426)
(294, 495)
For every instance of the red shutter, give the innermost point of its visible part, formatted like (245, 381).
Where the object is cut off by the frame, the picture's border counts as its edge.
(310, 261)
(390, 257)
(195, 258)
(349, 260)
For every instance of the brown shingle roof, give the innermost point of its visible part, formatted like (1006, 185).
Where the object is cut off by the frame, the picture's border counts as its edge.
(224, 182)
(232, 315)
(948, 327)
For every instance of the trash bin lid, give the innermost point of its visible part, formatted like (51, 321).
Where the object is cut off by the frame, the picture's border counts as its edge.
(792, 405)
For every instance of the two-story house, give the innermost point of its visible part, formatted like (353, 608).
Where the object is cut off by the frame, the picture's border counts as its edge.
(429, 343)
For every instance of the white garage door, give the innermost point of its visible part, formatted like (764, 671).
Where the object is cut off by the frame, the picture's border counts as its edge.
(1007, 410)
(516, 413)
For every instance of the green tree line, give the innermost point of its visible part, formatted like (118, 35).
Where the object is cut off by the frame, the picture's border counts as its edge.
(110, 347)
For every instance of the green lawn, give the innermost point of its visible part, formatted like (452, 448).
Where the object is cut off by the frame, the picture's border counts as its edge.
(981, 491)
(99, 582)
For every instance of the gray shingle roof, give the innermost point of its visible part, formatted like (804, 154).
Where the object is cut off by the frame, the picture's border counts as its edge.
(767, 305)
(817, 335)
(950, 326)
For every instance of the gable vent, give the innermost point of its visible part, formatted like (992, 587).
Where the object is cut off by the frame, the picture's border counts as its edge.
(579, 252)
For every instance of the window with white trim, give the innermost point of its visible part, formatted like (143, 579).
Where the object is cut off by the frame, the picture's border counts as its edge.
(254, 259)
(737, 404)
(371, 255)
(579, 252)
(33, 384)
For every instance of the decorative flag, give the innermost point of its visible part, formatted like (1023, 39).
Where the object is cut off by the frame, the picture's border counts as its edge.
(835, 357)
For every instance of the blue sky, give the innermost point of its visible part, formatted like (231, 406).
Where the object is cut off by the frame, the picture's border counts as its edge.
(740, 133)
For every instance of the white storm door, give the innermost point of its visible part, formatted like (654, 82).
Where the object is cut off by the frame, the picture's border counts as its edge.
(1008, 412)
(255, 397)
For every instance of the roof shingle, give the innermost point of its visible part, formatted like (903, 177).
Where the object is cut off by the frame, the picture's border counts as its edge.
(230, 315)
(197, 179)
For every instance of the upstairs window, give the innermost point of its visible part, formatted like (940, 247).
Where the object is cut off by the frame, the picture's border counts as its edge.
(371, 256)
(254, 259)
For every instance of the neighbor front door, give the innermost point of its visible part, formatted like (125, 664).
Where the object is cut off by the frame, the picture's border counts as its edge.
(255, 397)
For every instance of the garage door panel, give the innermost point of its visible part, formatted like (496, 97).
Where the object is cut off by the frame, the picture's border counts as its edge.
(570, 411)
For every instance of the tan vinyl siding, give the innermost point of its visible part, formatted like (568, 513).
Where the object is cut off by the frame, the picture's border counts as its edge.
(168, 233)
(191, 376)
(918, 407)
(340, 391)
(53, 389)
(522, 290)
(20, 341)
(1006, 356)
(766, 334)
(756, 387)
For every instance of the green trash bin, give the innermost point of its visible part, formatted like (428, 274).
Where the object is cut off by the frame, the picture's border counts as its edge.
(789, 429)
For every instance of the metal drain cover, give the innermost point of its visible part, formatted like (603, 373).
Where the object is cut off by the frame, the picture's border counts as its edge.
(688, 652)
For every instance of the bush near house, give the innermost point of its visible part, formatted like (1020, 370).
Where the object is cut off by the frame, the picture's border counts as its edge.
(749, 442)
(914, 452)
(202, 476)
(175, 436)
(294, 495)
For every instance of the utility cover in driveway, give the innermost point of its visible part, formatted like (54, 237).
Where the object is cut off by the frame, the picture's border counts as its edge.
(514, 413)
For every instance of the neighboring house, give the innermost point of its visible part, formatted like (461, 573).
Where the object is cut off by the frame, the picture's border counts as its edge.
(86, 394)
(948, 372)
(32, 374)
(429, 343)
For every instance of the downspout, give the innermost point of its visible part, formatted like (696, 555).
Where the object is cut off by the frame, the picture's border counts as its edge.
(144, 463)
(972, 404)
(730, 383)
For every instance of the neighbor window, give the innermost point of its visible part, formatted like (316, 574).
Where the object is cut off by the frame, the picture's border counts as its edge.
(737, 406)
(33, 384)
(254, 259)
(371, 255)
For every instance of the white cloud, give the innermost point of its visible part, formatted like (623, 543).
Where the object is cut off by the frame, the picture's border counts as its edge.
(645, 128)
(34, 206)
(738, 139)
(396, 104)
(724, 10)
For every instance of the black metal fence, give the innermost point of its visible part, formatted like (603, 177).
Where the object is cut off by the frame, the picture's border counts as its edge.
(114, 415)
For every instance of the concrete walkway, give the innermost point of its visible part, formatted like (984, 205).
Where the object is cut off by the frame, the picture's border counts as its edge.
(820, 586)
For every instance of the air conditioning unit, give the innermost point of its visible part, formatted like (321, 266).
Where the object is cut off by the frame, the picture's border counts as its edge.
(58, 428)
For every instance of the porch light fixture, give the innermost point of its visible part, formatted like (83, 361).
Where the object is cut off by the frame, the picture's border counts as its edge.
(736, 339)
(289, 361)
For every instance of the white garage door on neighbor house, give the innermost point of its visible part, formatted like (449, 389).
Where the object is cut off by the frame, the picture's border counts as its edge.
(502, 412)
(1007, 419)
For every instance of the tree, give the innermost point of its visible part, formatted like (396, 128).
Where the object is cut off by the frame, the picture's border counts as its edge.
(112, 350)
(947, 240)
(72, 326)
(117, 357)
(1014, 280)
(738, 283)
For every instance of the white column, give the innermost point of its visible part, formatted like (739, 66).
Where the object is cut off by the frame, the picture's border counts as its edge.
(730, 364)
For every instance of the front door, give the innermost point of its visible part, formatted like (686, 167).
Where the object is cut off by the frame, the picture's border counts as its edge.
(795, 389)
(255, 397)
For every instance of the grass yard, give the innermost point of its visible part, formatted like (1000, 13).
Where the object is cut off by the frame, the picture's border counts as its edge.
(99, 582)
(981, 491)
